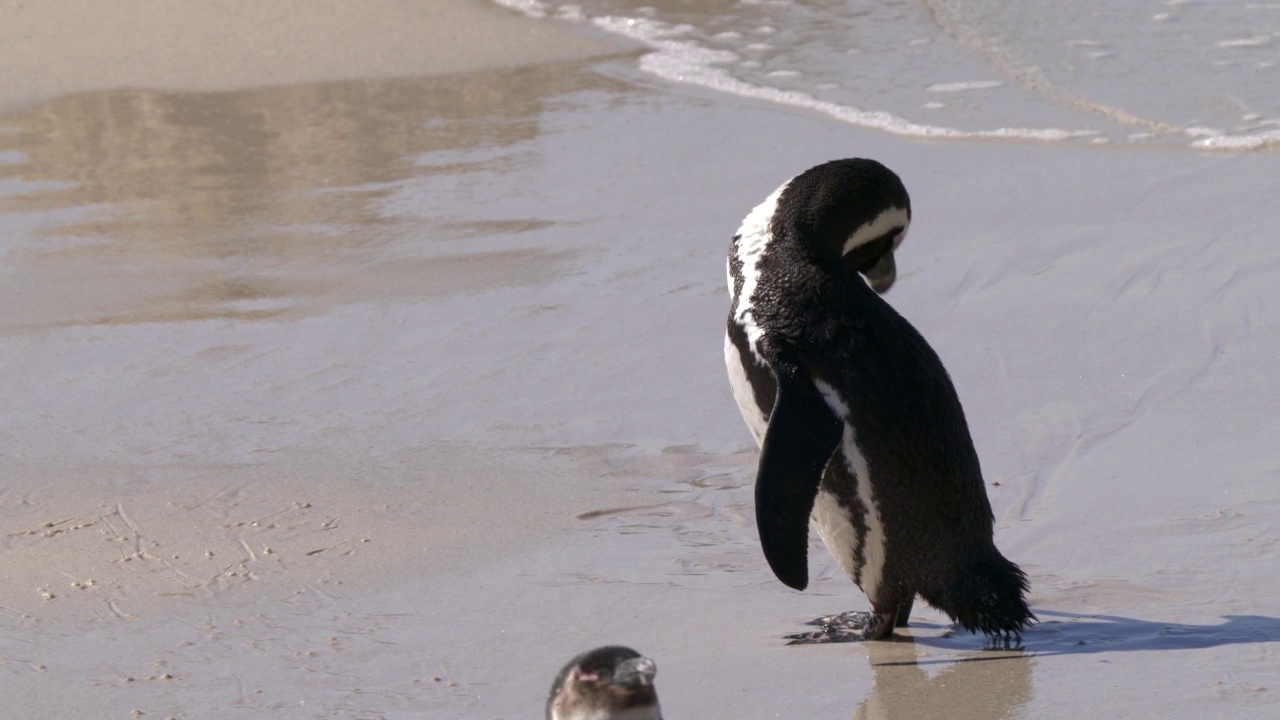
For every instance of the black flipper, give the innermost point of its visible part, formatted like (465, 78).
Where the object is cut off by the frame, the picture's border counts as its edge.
(802, 435)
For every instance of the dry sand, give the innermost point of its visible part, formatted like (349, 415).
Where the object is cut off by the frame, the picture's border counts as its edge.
(383, 397)
(64, 46)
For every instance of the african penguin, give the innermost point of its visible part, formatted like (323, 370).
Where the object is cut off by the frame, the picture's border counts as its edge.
(859, 425)
(608, 683)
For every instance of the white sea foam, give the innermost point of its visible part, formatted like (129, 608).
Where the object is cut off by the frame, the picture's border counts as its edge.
(964, 86)
(532, 8)
(681, 60)
(795, 68)
(1249, 42)
(1256, 141)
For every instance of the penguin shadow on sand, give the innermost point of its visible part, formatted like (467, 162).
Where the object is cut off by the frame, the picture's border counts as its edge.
(943, 676)
(1063, 633)
(909, 682)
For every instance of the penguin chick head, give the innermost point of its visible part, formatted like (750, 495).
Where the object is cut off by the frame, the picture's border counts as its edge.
(608, 683)
(853, 212)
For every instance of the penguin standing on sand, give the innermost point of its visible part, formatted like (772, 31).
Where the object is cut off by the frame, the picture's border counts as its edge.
(608, 683)
(858, 422)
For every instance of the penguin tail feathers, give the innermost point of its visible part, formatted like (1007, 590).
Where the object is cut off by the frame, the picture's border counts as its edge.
(988, 596)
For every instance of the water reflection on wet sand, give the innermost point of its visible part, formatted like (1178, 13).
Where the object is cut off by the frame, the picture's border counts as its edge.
(252, 204)
(907, 684)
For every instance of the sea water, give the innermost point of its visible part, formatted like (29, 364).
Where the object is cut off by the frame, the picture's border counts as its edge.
(1174, 73)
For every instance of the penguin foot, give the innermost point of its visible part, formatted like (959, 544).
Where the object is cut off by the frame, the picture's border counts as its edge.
(845, 627)
(880, 627)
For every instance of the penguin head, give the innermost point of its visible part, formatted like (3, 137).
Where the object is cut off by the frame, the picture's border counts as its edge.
(852, 212)
(607, 683)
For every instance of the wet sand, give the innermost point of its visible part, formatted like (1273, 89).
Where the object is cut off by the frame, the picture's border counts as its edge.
(383, 397)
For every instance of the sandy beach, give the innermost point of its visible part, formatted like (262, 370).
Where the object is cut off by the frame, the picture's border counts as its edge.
(378, 383)
(68, 46)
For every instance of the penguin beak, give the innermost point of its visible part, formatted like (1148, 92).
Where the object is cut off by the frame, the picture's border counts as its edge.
(881, 275)
(635, 672)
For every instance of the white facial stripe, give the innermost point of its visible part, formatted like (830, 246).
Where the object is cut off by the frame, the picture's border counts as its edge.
(753, 237)
(883, 223)
(845, 554)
